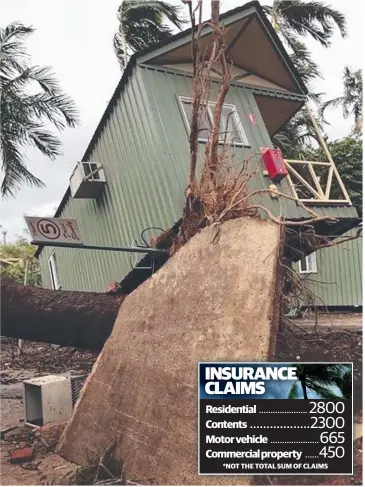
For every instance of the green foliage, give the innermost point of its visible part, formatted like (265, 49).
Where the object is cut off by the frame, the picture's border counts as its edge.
(142, 24)
(13, 262)
(347, 155)
(344, 383)
(295, 19)
(30, 100)
(319, 379)
(296, 137)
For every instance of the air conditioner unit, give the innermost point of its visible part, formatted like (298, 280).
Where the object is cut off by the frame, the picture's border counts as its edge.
(47, 399)
(51, 398)
(87, 180)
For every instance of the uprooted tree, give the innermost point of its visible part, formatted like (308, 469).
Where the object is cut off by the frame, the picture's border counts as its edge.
(67, 318)
(221, 192)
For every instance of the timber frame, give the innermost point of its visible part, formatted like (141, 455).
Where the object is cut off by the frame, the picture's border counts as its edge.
(321, 190)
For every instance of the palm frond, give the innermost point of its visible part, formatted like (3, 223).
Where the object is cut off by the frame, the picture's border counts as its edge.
(46, 142)
(59, 109)
(351, 100)
(13, 55)
(23, 115)
(43, 76)
(323, 392)
(313, 18)
(14, 169)
(294, 391)
(143, 23)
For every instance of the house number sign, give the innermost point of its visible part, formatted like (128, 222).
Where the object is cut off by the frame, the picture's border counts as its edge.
(45, 230)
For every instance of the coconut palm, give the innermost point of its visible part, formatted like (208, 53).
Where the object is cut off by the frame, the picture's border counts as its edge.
(296, 138)
(351, 100)
(319, 379)
(30, 99)
(142, 23)
(344, 383)
(295, 19)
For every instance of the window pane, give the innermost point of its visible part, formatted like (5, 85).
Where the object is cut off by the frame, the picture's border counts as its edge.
(303, 264)
(312, 262)
(53, 272)
(204, 124)
(228, 126)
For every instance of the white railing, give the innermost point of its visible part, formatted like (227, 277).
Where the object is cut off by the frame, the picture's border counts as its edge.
(312, 187)
(317, 186)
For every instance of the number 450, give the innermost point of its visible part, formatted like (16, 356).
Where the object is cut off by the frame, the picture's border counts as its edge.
(332, 452)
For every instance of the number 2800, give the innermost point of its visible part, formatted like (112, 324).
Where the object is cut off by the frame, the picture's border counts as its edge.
(329, 407)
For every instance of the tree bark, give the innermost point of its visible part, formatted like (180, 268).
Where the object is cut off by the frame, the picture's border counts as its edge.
(67, 318)
(215, 11)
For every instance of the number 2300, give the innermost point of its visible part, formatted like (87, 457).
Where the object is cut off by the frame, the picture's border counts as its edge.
(329, 422)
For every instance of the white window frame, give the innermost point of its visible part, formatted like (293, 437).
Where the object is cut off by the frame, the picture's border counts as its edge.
(245, 142)
(52, 267)
(311, 264)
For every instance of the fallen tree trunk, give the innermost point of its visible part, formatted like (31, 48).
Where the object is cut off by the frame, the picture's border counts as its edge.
(77, 319)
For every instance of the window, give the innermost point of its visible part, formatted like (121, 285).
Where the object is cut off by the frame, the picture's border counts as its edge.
(53, 272)
(308, 264)
(231, 130)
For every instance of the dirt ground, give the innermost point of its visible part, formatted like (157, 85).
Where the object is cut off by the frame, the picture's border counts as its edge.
(336, 338)
(38, 359)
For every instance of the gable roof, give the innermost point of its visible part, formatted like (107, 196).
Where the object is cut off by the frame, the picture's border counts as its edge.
(252, 46)
(250, 13)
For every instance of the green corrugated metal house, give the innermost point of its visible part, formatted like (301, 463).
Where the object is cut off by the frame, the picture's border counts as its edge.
(134, 171)
(332, 277)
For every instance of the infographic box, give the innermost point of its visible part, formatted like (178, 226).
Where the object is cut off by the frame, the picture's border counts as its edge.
(275, 418)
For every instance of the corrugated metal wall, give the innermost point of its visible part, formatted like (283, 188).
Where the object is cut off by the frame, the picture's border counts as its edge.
(144, 150)
(339, 278)
(145, 153)
(138, 173)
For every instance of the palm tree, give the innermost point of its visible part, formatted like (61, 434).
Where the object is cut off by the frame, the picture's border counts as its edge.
(296, 137)
(142, 23)
(351, 100)
(344, 383)
(293, 20)
(316, 378)
(30, 98)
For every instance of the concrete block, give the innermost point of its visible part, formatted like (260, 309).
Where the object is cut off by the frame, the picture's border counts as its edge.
(213, 300)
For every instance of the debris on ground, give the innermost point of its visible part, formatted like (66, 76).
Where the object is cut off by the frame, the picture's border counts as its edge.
(22, 455)
(355, 479)
(43, 358)
(339, 345)
(46, 437)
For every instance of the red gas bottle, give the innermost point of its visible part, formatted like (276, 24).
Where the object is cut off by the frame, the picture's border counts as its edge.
(274, 163)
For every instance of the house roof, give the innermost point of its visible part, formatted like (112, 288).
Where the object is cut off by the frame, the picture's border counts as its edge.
(252, 46)
(243, 18)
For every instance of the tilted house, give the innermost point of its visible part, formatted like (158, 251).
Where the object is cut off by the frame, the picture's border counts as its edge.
(135, 170)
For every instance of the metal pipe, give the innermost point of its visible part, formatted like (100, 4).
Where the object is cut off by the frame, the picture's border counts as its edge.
(140, 250)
